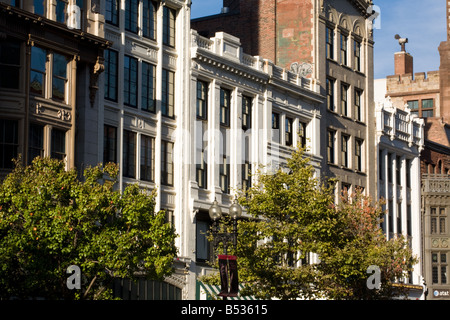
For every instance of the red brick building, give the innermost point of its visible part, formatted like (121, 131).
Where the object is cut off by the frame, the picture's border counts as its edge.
(328, 41)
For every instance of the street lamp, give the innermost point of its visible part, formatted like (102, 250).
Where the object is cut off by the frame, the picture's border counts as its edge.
(225, 261)
(215, 213)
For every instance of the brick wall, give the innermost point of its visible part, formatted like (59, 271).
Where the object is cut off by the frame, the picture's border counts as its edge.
(273, 29)
(294, 27)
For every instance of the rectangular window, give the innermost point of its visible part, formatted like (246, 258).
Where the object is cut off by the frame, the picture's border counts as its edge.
(35, 142)
(381, 165)
(358, 110)
(399, 217)
(398, 170)
(111, 75)
(344, 99)
(9, 142)
(129, 154)
(112, 12)
(391, 216)
(202, 100)
(427, 108)
(344, 49)
(167, 163)
(109, 144)
(169, 26)
(390, 167)
(201, 162)
(344, 150)
(148, 102)
(9, 64)
(59, 79)
(330, 146)
(131, 15)
(288, 131)
(330, 94)
(149, 21)
(408, 173)
(58, 144)
(413, 105)
(147, 172)
(358, 154)
(225, 104)
(408, 220)
(39, 7)
(168, 93)
(276, 127)
(202, 247)
(357, 55)
(130, 82)
(246, 178)
(302, 134)
(224, 172)
(330, 43)
(246, 113)
(38, 71)
(61, 11)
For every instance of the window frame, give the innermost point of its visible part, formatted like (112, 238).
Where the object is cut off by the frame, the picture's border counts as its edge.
(130, 83)
(9, 144)
(167, 164)
(111, 74)
(109, 143)
(147, 158)
(148, 84)
(129, 154)
(168, 93)
(169, 22)
(132, 16)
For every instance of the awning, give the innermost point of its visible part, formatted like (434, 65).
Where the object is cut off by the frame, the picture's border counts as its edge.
(210, 292)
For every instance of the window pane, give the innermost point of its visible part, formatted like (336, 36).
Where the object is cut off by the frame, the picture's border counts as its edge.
(109, 144)
(131, 15)
(58, 144)
(168, 93)
(130, 81)
(61, 11)
(129, 154)
(9, 142)
(9, 64)
(169, 27)
(111, 75)
(147, 158)
(149, 28)
(39, 7)
(36, 142)
(112, 11)
(148, 87)
(413, 104)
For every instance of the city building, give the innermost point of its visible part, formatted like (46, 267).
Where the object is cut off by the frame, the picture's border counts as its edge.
(400, 139)
(330, 41)
(245, 111)
(426, 96)
(51, 54)
(137, 122)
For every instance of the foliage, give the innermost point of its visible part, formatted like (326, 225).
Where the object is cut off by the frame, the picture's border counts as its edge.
(50, 220)
(292, 215)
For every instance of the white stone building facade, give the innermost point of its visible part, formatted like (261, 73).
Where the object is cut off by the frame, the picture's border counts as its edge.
(399, 140)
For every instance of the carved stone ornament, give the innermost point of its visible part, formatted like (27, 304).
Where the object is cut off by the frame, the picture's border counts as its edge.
(98, 68)
(64, 115)
(303, 69)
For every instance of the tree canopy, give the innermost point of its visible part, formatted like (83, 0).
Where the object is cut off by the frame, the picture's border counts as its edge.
(293, 218)
(50, 219)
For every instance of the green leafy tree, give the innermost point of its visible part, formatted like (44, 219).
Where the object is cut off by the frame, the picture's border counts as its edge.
(292, 217)
(293, 214)
(344, 270)
(49, 220)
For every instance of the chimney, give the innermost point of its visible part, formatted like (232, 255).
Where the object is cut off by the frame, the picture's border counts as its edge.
(403, 61)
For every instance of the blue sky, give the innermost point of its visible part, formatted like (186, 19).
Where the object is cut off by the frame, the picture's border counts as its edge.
(421, 21)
